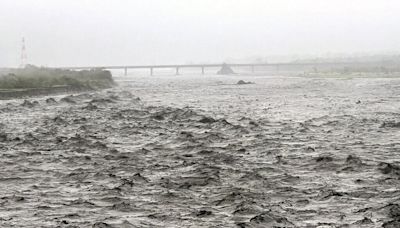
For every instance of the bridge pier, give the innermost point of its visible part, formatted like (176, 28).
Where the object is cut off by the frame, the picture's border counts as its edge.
(177, 71)
(278, 67)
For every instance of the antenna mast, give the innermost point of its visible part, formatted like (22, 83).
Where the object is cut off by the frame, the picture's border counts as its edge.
(24, 57)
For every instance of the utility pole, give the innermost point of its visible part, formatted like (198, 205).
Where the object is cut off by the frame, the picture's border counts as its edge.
(24, 56)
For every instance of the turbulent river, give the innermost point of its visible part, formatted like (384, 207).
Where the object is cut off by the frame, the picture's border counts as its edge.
(186, 151)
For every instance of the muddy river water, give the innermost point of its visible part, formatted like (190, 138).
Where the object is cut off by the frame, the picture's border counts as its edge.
(201, 151)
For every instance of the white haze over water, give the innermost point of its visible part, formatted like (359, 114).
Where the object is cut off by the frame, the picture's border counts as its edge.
(117, 32)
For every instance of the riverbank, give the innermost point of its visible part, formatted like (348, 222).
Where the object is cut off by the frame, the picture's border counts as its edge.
(35, 81)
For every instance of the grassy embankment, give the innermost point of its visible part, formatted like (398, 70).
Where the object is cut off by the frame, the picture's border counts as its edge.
(35, 81)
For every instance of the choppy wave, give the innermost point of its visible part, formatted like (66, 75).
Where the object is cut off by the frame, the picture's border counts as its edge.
(109, 160)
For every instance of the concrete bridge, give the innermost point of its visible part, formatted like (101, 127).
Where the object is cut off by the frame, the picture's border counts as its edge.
(202, 67)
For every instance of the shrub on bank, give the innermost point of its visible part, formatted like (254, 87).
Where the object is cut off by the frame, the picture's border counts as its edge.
(39, 77)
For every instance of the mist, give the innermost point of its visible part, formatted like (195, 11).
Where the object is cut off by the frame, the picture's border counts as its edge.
(199, 113)
(71, 33)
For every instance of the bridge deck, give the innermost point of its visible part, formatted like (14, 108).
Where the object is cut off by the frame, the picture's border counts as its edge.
(204, 65)
(277, 66)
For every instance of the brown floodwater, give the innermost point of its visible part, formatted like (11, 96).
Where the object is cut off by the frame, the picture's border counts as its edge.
(201, 151)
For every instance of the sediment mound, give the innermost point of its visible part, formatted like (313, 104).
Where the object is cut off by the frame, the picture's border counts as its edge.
(225, 70)
(241, 82)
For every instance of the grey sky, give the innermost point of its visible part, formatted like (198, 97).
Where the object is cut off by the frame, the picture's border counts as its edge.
(107, 32)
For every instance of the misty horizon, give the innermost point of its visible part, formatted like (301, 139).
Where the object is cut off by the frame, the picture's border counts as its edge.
(69, 33)
(199, 113)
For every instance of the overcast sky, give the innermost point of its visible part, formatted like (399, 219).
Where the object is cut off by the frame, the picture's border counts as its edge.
(117, 32)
